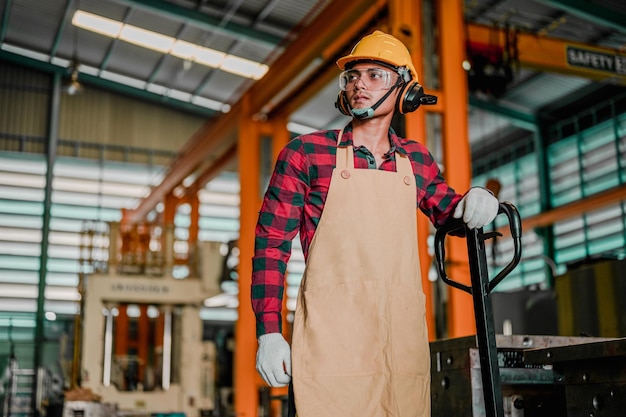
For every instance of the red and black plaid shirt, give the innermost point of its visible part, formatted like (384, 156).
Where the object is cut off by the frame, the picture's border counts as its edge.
(295, 198)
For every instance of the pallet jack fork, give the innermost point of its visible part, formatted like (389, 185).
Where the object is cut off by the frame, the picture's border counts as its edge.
(480, 290)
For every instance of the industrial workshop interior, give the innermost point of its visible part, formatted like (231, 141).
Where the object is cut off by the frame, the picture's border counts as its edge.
(137, 138)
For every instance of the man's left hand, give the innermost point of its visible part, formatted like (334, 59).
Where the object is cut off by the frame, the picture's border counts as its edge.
(478, 208)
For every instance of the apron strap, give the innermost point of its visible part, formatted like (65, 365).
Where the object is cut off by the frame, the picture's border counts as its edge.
(345, 155)
(403, 164)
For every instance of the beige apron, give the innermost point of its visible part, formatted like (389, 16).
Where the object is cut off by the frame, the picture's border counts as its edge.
(360, 345)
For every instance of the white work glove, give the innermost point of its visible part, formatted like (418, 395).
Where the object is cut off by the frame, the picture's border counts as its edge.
(478, 208)
(273, 359)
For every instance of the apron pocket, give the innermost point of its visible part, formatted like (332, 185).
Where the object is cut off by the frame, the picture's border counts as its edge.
(341, 330)
(409, 337)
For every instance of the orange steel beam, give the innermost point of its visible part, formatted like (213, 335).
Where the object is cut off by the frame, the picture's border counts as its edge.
(549, 54)
(456, 150)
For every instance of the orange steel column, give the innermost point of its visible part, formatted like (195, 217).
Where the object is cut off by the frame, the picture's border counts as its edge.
(456, 149)
(406, 24)
(245, 375)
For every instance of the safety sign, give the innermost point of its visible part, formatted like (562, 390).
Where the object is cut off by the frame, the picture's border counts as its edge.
(596, 60)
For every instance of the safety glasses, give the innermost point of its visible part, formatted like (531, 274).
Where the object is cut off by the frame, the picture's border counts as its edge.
(372, 78)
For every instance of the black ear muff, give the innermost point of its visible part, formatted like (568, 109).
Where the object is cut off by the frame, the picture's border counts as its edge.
(409, 97)
(342, 103)
(412, 96)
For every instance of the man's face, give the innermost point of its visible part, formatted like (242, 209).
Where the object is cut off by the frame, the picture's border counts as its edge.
(366, 83)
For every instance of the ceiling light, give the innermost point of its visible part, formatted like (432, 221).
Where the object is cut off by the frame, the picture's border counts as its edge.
(169, 45)
(243, 67)
(98, 24)
(146, 38)
(191, 52)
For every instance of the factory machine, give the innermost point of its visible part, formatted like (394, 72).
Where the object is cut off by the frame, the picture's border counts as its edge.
(142, 348)
(489, 375)
(540, 376)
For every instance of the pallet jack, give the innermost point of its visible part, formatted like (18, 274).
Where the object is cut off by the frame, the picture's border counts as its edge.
(480, 290)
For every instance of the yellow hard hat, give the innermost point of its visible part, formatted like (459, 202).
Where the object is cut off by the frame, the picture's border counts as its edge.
(380, 46)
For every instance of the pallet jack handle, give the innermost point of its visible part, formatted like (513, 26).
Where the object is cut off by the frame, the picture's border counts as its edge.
(480, 289)
(478, 236)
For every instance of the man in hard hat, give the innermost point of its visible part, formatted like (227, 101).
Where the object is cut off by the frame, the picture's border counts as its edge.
(360, 343)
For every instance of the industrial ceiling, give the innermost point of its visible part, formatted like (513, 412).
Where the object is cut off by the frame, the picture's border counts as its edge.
(40, 34)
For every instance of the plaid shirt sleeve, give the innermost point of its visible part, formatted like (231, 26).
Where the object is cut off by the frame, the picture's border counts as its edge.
(435, 197)
(277, 226)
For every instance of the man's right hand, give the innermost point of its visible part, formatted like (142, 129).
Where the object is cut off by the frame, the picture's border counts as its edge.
(273, 360)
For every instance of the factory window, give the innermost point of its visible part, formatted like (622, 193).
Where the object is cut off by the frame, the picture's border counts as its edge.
(85, 195)
(584, 164)
(586, 156)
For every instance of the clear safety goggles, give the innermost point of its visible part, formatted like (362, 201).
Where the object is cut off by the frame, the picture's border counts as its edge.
(372, 78)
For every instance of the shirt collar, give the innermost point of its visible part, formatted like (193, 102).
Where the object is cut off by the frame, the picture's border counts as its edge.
(394, 140)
